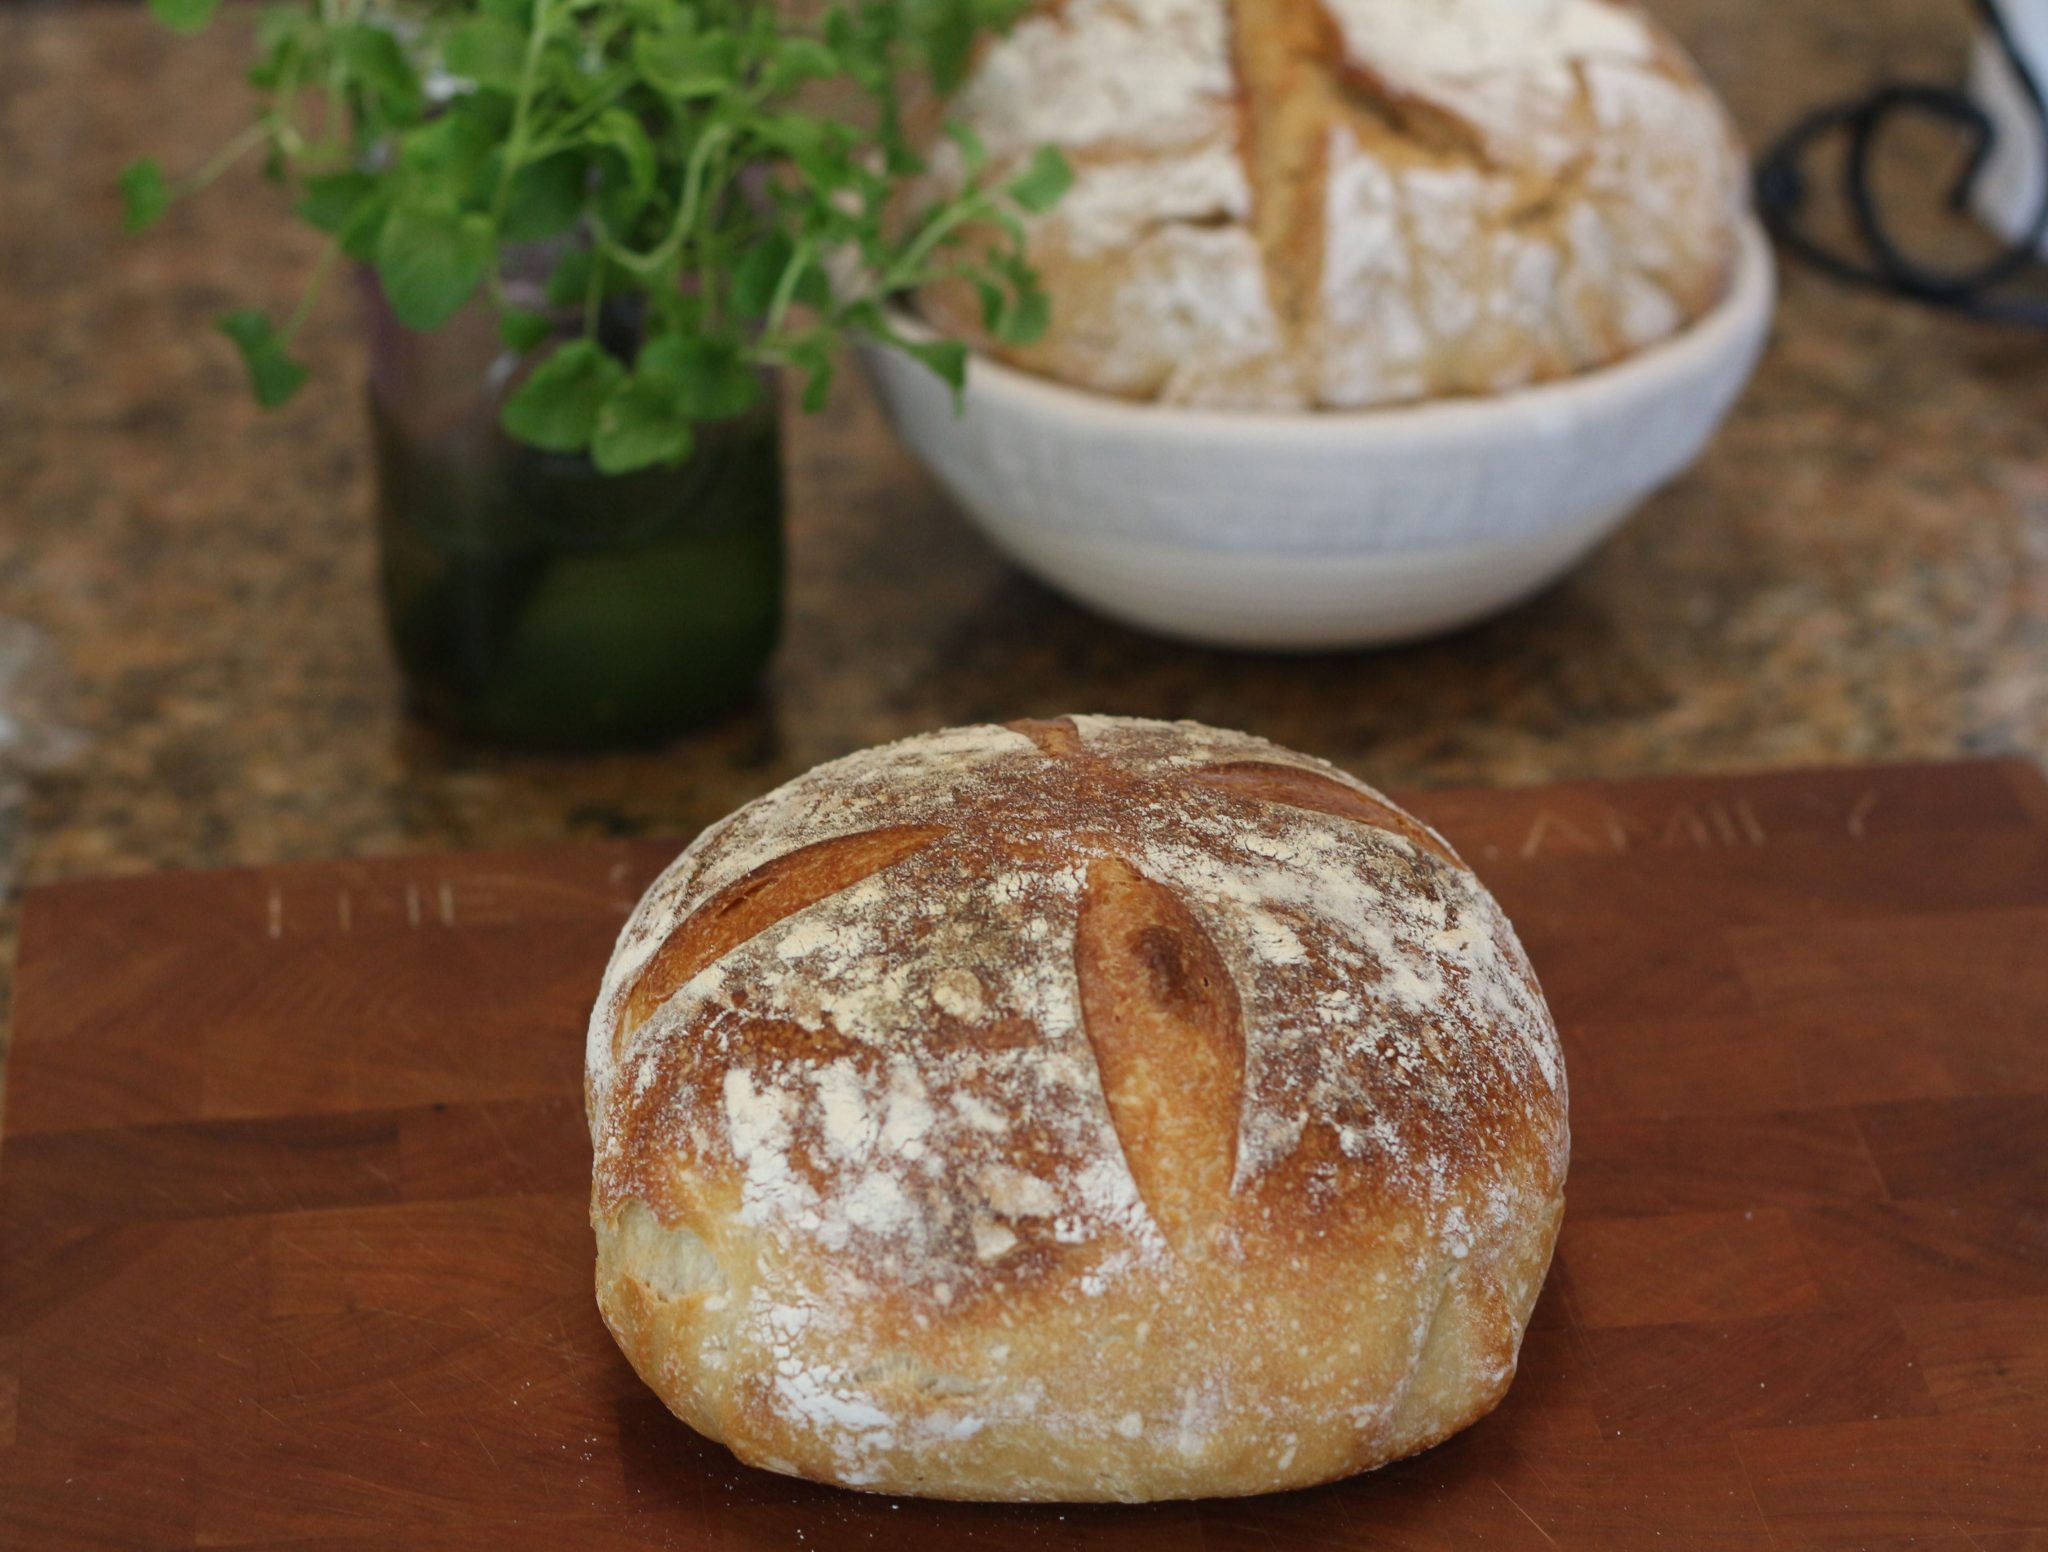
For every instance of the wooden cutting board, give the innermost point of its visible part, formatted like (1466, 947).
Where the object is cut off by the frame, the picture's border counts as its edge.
(293, 1249)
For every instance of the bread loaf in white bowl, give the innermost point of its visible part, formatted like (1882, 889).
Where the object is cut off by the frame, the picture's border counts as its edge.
(1369, 317)
(1089, 1109)
(1294, 204)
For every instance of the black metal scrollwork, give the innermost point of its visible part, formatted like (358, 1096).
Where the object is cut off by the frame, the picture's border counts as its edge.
(1782, 191)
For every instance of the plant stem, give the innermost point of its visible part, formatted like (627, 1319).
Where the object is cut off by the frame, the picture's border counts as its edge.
(904, 271)
(565, 132)
(593, 294)
(515, 143)
(311, 294)
(693, 175)
(785, 286)
(657, 258)
(283, 100)
(226, 157)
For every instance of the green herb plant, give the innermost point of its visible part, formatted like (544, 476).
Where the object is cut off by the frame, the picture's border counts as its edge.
(665, 154)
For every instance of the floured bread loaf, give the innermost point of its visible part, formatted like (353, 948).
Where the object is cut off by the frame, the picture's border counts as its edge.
(1090, 1109)
(1290, 203)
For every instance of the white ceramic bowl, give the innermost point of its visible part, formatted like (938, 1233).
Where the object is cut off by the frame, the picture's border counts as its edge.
(1332, 529)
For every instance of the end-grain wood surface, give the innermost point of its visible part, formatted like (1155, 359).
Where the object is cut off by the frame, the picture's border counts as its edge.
(293, 1250)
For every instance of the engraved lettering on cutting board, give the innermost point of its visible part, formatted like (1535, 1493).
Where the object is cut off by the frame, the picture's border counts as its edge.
(1706, 826)
(373, 901)
(359, 907)
(1752, 827)
(1159, 1007)
(1548, 823)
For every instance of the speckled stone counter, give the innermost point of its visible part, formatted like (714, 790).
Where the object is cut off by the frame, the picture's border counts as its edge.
(1857, 571)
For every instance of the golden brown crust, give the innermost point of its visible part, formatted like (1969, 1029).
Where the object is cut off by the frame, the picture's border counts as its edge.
(1151, 1112)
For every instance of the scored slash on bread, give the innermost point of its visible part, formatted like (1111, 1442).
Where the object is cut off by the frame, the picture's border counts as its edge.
(1163, 1020)
(1305, 789)
(757, 902)
(950, 1101)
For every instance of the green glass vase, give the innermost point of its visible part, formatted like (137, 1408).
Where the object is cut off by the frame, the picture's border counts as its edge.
(536, 602)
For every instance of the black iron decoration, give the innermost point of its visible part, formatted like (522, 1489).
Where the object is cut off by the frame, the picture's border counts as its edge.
(1980, 290)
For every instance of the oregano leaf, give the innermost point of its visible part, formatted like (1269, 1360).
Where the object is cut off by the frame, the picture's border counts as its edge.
(1039, 187)
(797, 60)
(379, 65)
(867, 317)
(814, 286)
(273, 375)
(810, 146)
(947, 358)
(144, 195)
(569, 281)
(640, 425)
(1027, 318)
(995, 303)
(973, 154)
(557, 407)
(818, 367)
(278, 25)
(457, 151)
(331, 200)
(524, 331)
(617, 130)
(710, 377)
(687, 65)
(487, 50)
(545, 198)
(184, 16)
(431, 257)
(949, 28)
(757, 273)
(350, 207)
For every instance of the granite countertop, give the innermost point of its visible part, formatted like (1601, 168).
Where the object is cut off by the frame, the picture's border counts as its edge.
(1857, 571)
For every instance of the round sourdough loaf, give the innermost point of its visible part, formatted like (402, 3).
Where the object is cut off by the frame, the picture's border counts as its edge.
(1087, 1109)
(1282, 204)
